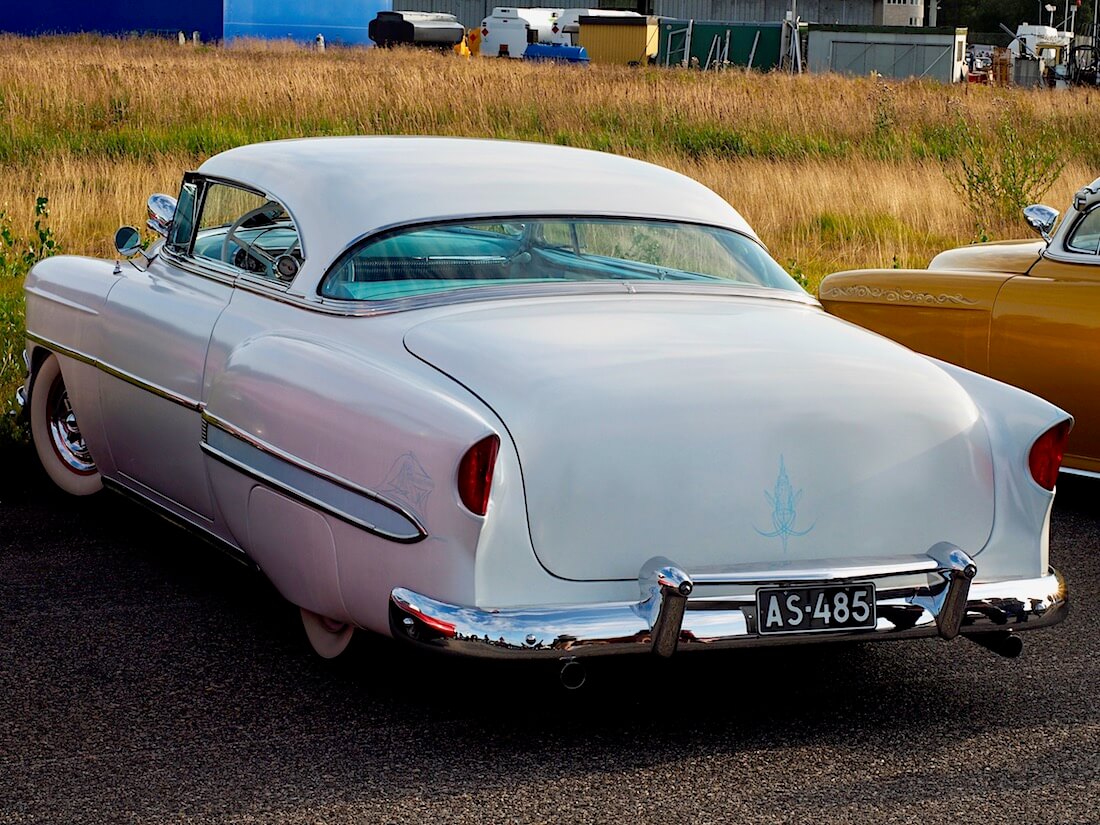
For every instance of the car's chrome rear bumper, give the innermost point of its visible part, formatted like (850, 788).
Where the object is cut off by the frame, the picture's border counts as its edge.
(672, 615)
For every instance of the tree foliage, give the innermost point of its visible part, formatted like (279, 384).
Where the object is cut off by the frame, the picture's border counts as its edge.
(985, 15)
(1002, 168)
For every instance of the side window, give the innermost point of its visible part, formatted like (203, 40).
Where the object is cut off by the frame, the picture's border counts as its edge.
(1086, 235)
(247, 231)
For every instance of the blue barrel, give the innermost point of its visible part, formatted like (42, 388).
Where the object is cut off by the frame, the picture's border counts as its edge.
(556, 53)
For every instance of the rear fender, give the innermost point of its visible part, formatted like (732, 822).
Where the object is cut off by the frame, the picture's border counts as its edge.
(1018, 547)
(344, 436)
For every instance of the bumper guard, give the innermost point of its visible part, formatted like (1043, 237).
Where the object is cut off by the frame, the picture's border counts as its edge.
(670, 614)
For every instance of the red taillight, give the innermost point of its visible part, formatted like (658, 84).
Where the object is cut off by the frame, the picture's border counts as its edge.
(484, 32)
(475, 474)
(1046, 454)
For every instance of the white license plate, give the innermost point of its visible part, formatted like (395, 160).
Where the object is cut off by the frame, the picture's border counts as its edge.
(815, 608)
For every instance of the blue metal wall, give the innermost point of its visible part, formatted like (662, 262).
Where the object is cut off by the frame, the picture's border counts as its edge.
(112, 17)
(340, 21)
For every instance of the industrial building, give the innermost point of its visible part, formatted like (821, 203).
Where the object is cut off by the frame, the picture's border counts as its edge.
(848, 36)
(338, 21)
(112, 17)
(899, 52)
(346, 21)
(835, 12)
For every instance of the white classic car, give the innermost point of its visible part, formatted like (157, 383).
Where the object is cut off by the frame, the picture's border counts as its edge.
(573, 410)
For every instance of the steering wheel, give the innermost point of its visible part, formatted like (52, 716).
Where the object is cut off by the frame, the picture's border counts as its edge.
(270, 210)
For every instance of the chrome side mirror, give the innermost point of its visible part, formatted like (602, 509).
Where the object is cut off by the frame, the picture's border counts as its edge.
(129, 246)
(162, 210)
(1041, 219)
(128, 241)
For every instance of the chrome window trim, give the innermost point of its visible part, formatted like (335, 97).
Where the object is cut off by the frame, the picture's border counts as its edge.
(400, 227)
(364, 309)
(258, 283)
(219, 270)
(314, 302)
(205, 179)
(296, 492)
(123, 375)
(223, 273)
(1083, 258)
(1062, 253)
(499, 292)
(191, 266)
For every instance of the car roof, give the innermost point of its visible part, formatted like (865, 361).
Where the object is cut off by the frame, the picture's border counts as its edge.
(340, 189)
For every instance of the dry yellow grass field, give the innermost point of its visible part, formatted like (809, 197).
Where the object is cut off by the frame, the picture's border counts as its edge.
(833, 172)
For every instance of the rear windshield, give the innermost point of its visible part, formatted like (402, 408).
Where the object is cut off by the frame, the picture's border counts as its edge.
(430, 259)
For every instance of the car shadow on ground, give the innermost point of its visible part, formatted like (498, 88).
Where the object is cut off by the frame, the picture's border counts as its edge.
(143, 647)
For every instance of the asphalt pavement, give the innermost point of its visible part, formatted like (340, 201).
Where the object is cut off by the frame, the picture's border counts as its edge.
(145, 677)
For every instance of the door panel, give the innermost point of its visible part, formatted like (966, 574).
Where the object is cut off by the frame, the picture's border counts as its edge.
(159, 323)
(1044, 337)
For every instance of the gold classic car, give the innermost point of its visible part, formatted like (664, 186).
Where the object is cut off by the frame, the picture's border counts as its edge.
(1026, 312)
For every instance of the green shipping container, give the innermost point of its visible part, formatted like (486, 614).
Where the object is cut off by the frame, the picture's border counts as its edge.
(670, 50)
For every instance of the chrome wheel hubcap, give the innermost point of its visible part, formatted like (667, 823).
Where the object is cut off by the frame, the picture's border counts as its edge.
(65, 435)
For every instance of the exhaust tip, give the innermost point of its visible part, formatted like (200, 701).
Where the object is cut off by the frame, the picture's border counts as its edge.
(1011, 647)
(573, 675)
(1003, 643)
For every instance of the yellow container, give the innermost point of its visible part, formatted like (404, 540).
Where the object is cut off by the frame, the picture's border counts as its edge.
(625, 41)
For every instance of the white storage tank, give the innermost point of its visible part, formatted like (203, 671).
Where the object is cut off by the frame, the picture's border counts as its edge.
(544, 22)
(416, 28)
(505, 34)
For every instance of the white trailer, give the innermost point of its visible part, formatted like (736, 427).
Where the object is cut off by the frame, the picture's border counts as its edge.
(568, 23)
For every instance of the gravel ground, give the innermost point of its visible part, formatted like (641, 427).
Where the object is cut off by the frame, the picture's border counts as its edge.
(144, 677)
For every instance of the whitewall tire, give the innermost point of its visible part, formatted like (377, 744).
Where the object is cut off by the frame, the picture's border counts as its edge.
(57, 439)
(327, 637)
